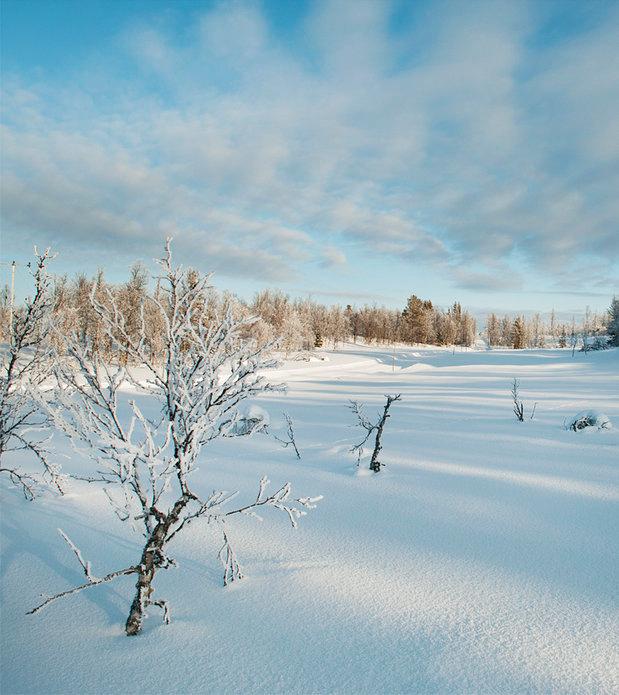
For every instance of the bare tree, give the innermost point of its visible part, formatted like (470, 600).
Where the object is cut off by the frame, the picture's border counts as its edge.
(370, 428)
(146, 465)
(586, 331)
(25, 365)
(573, 337)
(291, 441)
(518, 404)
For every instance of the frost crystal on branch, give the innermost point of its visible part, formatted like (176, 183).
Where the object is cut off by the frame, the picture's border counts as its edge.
(85, 565)
(208, 369)
(228, 559)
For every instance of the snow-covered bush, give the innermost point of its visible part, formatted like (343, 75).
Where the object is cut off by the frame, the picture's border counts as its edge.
(251, 419)
(590, 418)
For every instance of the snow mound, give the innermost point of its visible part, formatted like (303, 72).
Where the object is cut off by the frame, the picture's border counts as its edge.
(590, 418)
(418, 367)
(252, 419)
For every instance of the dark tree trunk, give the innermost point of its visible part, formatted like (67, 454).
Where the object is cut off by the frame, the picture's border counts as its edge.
(152, 558)
(374, 462)
(148, 566)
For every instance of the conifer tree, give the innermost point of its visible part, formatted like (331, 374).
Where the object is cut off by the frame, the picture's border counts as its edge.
(613, 322)
(519, 336)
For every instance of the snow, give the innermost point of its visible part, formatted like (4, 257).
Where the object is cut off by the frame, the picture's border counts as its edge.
(483, 558)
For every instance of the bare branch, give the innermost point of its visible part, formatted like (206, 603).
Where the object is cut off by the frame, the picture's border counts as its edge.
(103, 580)
(85, 565)
(291, 439)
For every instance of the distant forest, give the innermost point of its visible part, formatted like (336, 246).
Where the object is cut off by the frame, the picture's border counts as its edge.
(303, 324)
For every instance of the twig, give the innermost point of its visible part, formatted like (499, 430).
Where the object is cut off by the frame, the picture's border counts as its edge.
(291, 439)
(108, 578)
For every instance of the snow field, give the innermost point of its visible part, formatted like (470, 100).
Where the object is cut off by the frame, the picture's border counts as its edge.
(482, 559)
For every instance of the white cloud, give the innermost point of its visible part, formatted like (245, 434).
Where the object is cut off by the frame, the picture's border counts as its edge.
(453, 142)
(333, 257)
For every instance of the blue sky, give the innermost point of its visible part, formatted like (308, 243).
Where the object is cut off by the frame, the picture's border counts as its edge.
(355, 151)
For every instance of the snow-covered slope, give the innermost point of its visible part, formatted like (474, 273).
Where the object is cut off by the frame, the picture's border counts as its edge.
(482, 559)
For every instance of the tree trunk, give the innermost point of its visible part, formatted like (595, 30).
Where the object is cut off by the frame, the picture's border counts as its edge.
(143, 586)
(152, 558)
(374, 462)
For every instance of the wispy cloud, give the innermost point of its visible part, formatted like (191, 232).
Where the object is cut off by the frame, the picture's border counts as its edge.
(333, 257)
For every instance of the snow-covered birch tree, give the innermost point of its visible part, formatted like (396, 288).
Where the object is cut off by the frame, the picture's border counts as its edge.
(146, 463)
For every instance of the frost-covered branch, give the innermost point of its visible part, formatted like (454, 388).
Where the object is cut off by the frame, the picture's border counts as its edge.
(518, 404)
(85, 564)
(103, 580)
(92, 580)
(25, 482)
(232, 569)
(278, 500)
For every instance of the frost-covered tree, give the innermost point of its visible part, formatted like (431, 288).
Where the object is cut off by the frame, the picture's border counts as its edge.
(536, 332)
(467, 329)
(552, 327)
(338, 325)
(63, 313)
(291, 331)
(146, 463)
(493, 330)
(131, 298)
(25, 365)
(287, 321)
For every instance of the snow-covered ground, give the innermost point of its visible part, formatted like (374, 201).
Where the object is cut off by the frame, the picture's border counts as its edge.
(482, 559)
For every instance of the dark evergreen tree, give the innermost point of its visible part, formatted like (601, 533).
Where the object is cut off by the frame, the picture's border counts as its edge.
(613, 322)
(519, 333)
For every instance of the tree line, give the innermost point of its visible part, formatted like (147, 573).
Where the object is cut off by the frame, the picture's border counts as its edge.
(535, 332)
(304, 324)
(297, 324)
